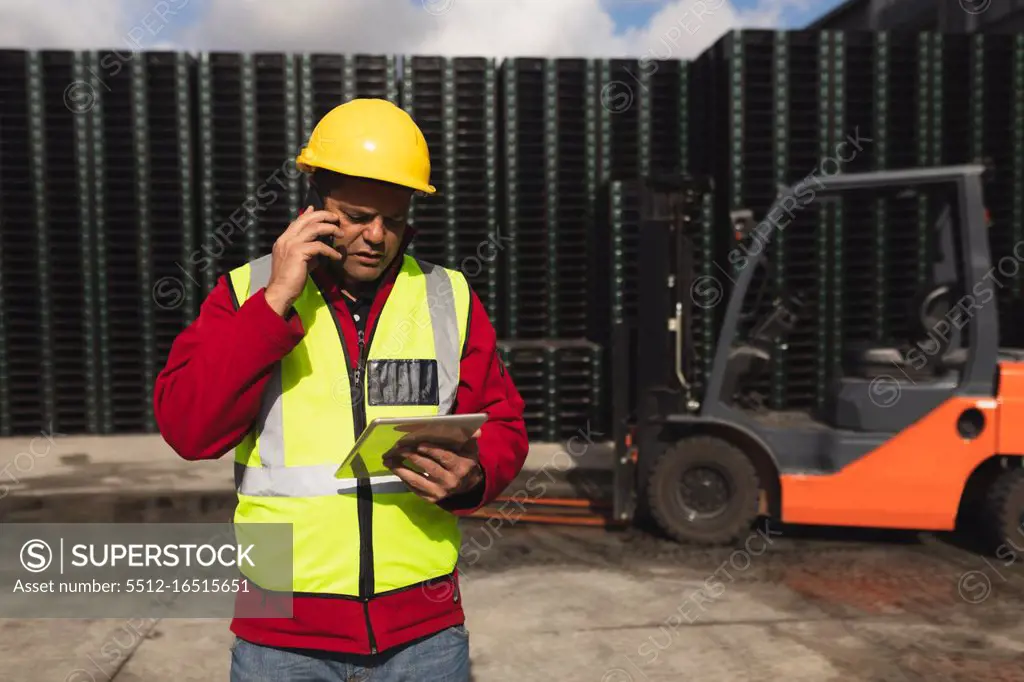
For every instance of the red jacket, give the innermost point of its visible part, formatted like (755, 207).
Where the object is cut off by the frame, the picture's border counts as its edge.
(208, 395)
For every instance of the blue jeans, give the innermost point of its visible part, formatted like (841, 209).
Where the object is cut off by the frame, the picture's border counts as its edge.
(442, 657)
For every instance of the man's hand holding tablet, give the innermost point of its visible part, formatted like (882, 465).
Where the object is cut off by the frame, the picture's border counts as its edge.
(435, 472)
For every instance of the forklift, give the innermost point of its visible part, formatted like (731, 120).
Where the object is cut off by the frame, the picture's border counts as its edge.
(924, 432)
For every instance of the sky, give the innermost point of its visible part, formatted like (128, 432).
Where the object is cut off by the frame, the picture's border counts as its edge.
(665, 29)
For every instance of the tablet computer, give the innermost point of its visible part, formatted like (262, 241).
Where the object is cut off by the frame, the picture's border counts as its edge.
(383, 435)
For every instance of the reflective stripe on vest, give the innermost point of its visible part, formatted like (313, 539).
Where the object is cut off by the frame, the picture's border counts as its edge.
(285, 467)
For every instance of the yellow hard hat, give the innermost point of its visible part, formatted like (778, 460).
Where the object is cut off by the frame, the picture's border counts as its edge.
(370, 138)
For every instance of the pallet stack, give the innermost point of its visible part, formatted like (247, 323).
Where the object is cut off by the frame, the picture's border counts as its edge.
(427, 96)
(861, 252)
(560, 381)
(171, 281)
(170, 170)
(479, 242)
(908, 132)
(275, 200)
(66, 339)
(143, 221)
(733, 131)
(769, 122)
(803, 63)
(528, 92)
(997, 134)
(577, 397)
(551, 189)
(668, 104)
(119, 129)
(454, 103)
(527, 364)
(552, 170)
(571, 176)
(624, 119)
(228, 236)
(329, 80)
(43, 331)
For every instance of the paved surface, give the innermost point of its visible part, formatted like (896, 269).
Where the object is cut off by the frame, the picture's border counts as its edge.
(573, 604)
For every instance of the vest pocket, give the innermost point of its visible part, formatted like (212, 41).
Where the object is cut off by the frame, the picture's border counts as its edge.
(402, 382)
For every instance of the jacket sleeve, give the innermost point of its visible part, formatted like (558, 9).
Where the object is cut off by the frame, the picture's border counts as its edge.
(208, 394)
(485, 386)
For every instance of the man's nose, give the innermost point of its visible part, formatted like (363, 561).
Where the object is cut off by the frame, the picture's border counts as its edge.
(374, 231)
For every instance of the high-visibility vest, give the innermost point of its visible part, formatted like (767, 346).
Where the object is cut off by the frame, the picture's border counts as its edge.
(354, 537)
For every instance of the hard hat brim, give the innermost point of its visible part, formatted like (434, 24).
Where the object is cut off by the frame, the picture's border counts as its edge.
(307, 166)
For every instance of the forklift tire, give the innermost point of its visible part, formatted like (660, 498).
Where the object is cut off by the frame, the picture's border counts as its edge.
(1003, 516)
(721, 471)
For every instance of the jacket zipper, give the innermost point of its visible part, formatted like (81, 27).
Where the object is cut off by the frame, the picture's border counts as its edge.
(364, 500)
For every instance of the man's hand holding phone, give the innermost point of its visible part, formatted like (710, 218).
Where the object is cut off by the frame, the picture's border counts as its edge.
(296, 253)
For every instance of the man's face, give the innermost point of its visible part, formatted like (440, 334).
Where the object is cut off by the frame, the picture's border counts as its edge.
(373, 217)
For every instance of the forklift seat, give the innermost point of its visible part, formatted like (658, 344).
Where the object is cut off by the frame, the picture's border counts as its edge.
(928, 307)
(868, 361)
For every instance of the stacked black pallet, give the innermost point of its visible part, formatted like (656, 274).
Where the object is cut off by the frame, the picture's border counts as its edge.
(67, 336)
(21, 400)
(275, 201)
(668, 85)
(572, 185)
(478, 243)
(453, 102)
(124, 242)
(624, 124)
(427, 97)
(529, 94)
(560, 381)
(773, 117)
(329, 80)
(528, 363)
(577, 413)
(167, 180)
(1015, 196)
(908, 63)
(803, 264)
(42, 332)
(861, 241)
(376, 76)
(227, 236)
(998, 136)
(953, 99)
(739, 139)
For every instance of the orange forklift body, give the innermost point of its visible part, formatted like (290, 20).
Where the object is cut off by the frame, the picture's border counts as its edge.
(916, 479)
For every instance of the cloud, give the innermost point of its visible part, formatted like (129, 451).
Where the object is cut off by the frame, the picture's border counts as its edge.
(431, 27)
(63, 24)
(678, 29)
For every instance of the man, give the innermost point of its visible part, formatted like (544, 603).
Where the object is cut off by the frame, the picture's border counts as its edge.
(291, 356)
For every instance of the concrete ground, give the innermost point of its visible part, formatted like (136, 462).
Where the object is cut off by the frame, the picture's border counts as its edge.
(572, 604)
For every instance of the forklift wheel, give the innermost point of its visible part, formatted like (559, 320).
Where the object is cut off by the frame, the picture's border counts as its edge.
(1004, 511)
(704, 491)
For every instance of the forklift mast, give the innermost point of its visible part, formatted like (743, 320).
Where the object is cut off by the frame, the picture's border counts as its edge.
(665, 373)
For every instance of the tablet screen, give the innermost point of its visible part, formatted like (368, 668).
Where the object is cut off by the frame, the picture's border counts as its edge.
(384, 436)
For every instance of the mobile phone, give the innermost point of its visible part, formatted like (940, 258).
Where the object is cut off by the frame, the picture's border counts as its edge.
(316, 200)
